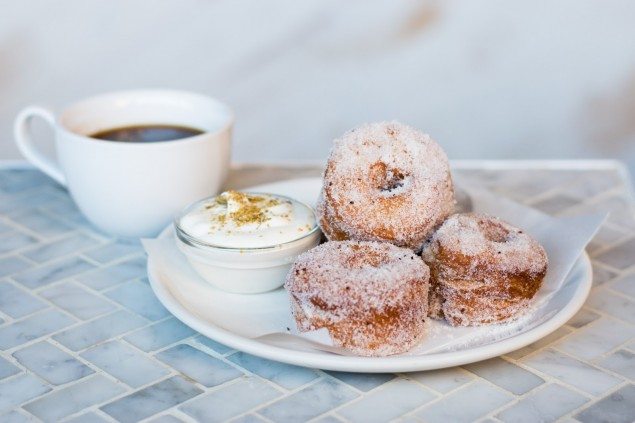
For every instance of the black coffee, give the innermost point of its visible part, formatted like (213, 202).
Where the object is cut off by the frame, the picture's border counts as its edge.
(147, 133)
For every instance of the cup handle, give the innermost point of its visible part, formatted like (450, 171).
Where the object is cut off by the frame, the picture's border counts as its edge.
(22, 134)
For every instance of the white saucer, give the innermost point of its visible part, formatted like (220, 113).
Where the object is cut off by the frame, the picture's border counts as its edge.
(234, 320)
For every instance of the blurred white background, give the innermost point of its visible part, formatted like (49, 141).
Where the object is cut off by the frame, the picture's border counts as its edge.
(487, 79)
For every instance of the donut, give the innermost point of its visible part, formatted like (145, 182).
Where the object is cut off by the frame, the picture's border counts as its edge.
(371, 296)
(482, 270)
(385, 182)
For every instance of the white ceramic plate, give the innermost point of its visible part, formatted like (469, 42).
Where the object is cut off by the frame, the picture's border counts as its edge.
(231, 319)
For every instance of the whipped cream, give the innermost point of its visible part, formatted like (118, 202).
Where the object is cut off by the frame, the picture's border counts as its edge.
(243, 220)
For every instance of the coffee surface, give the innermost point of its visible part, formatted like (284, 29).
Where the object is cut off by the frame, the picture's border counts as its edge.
(147, 133)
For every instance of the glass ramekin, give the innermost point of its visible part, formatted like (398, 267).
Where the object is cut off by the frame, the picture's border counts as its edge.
(243, 270)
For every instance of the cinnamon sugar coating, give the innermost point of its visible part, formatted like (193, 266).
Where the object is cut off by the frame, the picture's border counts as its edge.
(371, 296)
(482, 270)
(385, 182)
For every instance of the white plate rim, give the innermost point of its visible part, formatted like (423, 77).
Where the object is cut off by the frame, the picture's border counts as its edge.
(401, 363)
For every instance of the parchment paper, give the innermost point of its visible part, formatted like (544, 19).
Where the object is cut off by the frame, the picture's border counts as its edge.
(563, 238)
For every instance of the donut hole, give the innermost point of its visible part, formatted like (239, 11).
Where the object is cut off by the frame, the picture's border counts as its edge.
(494, 231)
(394, 179)
(387, 179)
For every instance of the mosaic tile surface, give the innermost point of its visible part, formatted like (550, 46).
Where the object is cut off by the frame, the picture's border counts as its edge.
(83, 339)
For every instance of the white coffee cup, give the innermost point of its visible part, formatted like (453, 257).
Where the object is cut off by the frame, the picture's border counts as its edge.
(134, 189)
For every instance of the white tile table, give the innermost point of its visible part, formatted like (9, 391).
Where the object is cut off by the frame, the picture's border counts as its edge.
(83, 339)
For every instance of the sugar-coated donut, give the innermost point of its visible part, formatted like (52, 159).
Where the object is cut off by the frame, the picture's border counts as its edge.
(385, 182)
(482, 270)
(371, 296)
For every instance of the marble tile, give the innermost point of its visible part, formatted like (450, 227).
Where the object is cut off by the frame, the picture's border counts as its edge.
(328, 419)
(615, 408)
(115, 250)
(601, 274)
(166, 418)
(199, 366)
(619, 207)
(392, 400)
(284, 375)
(139, 298)
(625, 284)
(7, 201)
(16, 416)
(65, 209)
(609, 235)
(115, 274)
(77, 300)
(159, 335)
(210, 343)
(33, 327)
(53, 272)
(555, 204)
(583, 318)
(594, 247)
(51, 364)
(99, 330)
(466, 404)
(596, 338)
(74, 398)
(151, 400)
(221, 405)
(79, 222)
(125, 363)
(442, 380)
(519, 191)
(621, 256)
(72, 244)
(62, 205)
(362, 381)
(17, 302)
(16, 204)
(14, 180)
(544, 405)
(612, 304)
(595, 182)
(508, 376)
(10, 265)
(15, 240)
(89, 417)
(623, 218)
(41, 223)
(621, 362)
(309, 402)
(541, 343)
(7, 369)
(19, 389)
(252, 418)
(571, 371)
